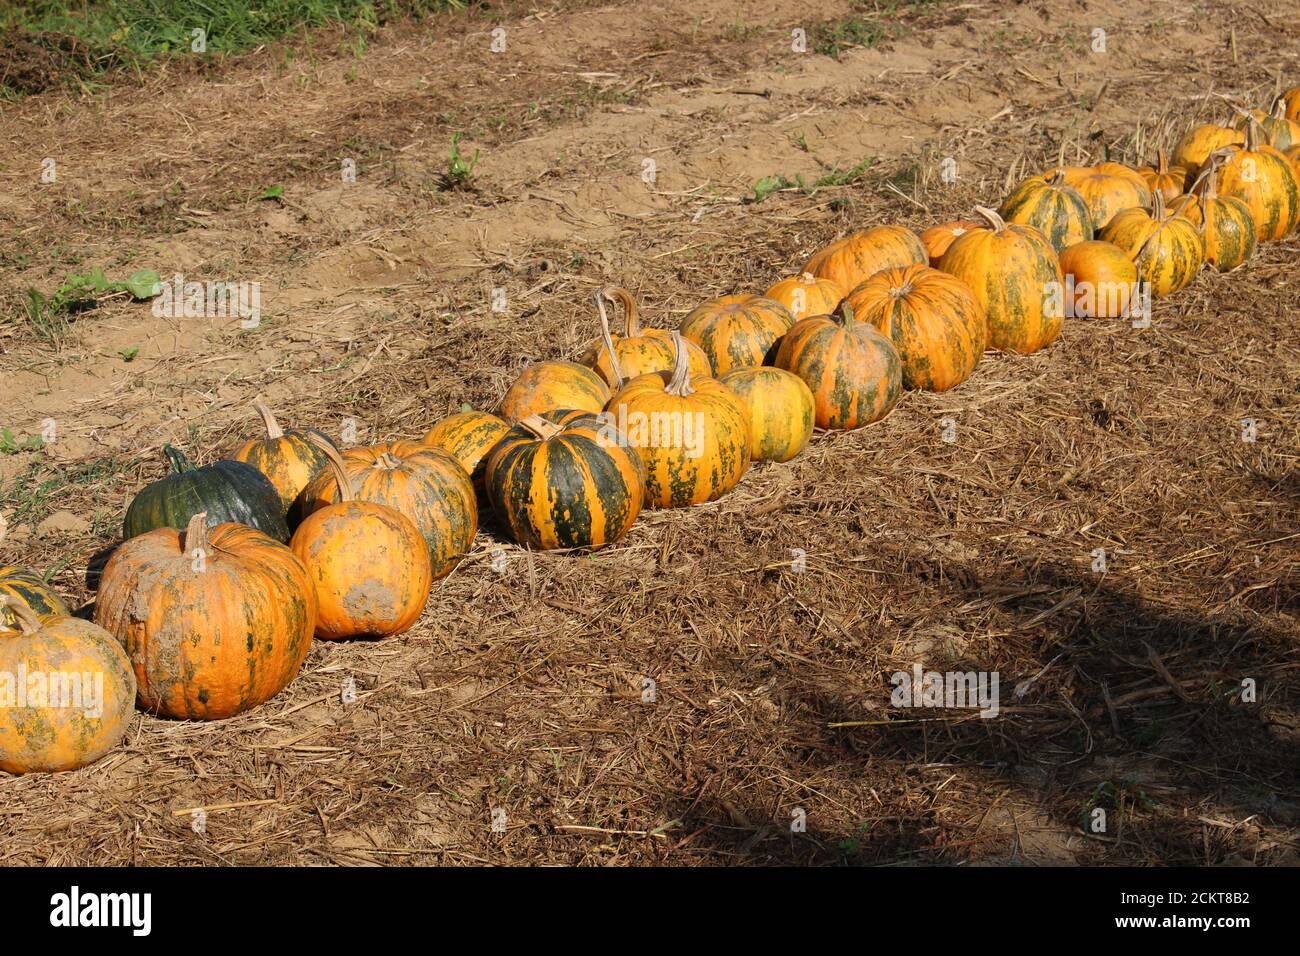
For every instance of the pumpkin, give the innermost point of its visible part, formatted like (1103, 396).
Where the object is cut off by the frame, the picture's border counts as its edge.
(565, 479)
(691, 432)
(934, 320)
(852, 369)
(215, 621)
(780, 408)
(1167, 249)
(1291, 104)
(544, 386)
(1169, 181)
(468, 436)
(1100, 279)
(225, 491)
(30, 590)
(1195, 148)
(1293, 154)
(1226, 224)
(1016, 276)
(1052, 207)
(1275, 128)
(289, 459)
(857, 257)
(369, 563)
(938, 238)
(737, 331)
(1265, 181)
(426, 484)
(637, 350)
(805, 295)
(67, 693)
(1107, 188)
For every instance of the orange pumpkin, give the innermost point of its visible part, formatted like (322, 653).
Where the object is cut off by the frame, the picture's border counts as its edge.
(1108, 189)
(544, 386)
(938, 238)
(781, 411)
(1167, 249)
(1275, 128)
(933, 319)
(1051, 206)
(1293, 154)
(737, 331)
(368, 562)
(857, 257)
(424, 483)
(804, 295)
(289, 459)
(1100, 279)
(67, 692)
(1226, 224)
(1016, 276)
(1291, 104)
(1169, 181)
(1195, 148)
(468, 436)
(637, 351)
(215, 620)
(1265, 181)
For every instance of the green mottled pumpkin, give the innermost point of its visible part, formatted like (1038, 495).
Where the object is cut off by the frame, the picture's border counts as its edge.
(1051, 206)
(781, 410)
(737, 331)
(29, 589)
(1166, 247)
(1226, 224)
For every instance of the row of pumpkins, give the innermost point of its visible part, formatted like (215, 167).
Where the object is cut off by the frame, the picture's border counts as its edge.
(209, 606)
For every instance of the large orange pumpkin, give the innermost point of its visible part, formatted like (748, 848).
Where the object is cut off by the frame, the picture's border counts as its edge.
(1265, 181)
(804, 295)
(857, 257)
(544, 386)
(369, 564)
(1101, 280)
(1016, 276)
(1195, 148)
(1226, 224)
(289, 459)
(215, 621)
(1051, 206)
(424, 483)
(1166, 248)
(691, 432)
(637, 351)
(28, 588)
(933, 319)
(1169, 181)
(1107, 188)
(781, 411)
(737, 331)
(938, 238)
(468, 436)
(67, 692)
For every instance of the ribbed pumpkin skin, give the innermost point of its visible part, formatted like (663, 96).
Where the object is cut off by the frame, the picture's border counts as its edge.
(212, 638)
(853, 371)
(1172, 258)
(1169, 181)
(545, 386)
(226, 490)
(468, 437)
(639, 350)
(933, 319)
(581, 488)
(426, 484)
(1011, 271)
(1193, 149)
(27, 587)
(290, 459)
(1227, 228)
(1104, 279)
(737, 331)
(804, 295)
(781, 411)
(938, 238)
(370, 567)
(1052, 207)
(851, 260)
(1107, 188)
(1265, 181)
(83, 658)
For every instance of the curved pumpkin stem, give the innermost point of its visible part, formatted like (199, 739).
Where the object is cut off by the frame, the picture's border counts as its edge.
(996, 222)
(540, 427)
(680, 383)
(28, 621)
(610, 348)
(337, 466)
(196, 533)
(631, 315)
(176, 458)
(273, 429)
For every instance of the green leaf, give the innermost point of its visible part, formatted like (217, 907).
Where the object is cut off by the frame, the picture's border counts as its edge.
(144, 284)
(273, 192)
(129, 353)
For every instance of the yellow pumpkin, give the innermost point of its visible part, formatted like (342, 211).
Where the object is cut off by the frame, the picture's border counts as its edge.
(1195, 147)
(1226, 224)
(1169, 181)
(1167, 249)
(1108, 189)
(855, 258)
(546, 386)
(804, 295)
(781, 411)
(468, 436)
(637, 351)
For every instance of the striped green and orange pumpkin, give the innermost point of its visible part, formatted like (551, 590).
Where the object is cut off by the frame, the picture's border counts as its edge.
(938, 238)
(1016, 276)
(545, 386)
(29, 589)
(1265, 181)
(1226, 224)
(851, 260)
(1101, 280)
(1166, 248)
(290, 459)
(1107, 188)
(804, 295)
(638, 350)
(737, 331)
(468, 436)
(781, 411)
(565, 479)
(1196, 146)
(933, 319)
(1052, 207)
(1275, 127)
(851, 368)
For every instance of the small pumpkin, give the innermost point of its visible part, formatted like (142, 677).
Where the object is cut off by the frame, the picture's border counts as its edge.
(737, 331)
(1265, 181)
(30, 590)
(426, 484)
(637, 351)
(1107, 188)
(214, 621)
(289, 459)
(544, 386)
(225, 491)
(1169, 181)
(368, 562)
(1196, 146)
(938, 238)
(1100, 279)
(468, 436)
(852, 369)
(1226, 224)
(691, 432)
(1016, 276)
(67, 692)
(1052, 207)
(565, 479)
(933, 319)
(781, 411)
(1275, 128)
(1167, 249)
(805, 295)
(854, 258)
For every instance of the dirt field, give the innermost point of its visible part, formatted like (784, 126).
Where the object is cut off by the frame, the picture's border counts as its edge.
(521, 689)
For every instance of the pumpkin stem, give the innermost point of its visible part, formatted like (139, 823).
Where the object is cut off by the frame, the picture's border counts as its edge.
(680, 383)
(388, 461)
(176, 458)
(1162, 162)
(28, 621)
(336, 465)
(1057, 177)
(996, 222)
(196, 533)
(540, 427)
(273, 429)
(610, 348)
(846, 311)
(631, 315)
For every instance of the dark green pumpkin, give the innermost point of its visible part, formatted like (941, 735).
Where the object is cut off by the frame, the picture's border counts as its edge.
(226, 490)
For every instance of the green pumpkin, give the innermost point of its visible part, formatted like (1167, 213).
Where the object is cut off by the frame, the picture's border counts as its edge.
(226, 490)
(29, 588)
